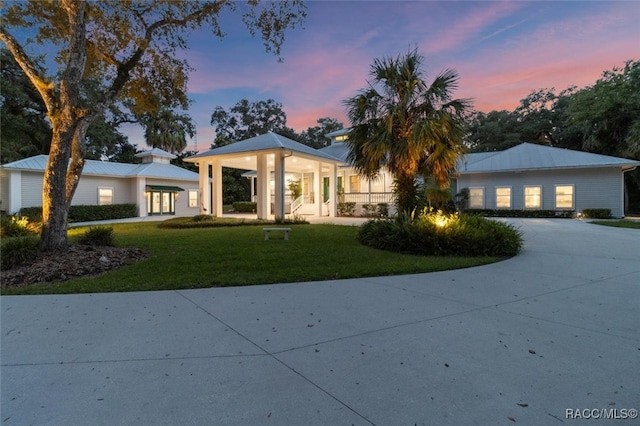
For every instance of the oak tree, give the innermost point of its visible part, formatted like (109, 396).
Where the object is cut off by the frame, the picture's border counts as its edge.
(132, 46)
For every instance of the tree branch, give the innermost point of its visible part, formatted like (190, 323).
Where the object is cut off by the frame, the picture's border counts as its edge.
(45, 88)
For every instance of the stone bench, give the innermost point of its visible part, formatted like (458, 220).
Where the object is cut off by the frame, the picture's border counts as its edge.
(269, 230)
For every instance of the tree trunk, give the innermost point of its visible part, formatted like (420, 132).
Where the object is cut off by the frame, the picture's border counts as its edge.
(55, 205)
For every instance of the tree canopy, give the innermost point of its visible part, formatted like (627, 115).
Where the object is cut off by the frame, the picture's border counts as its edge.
(129, 46)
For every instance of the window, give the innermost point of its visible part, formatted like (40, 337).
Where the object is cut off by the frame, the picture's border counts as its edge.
(105, 196)
(503, 197)
(564, 196)
(476, 198)
(354, 183)
(341, 138)
(193, 198)
(532, 197)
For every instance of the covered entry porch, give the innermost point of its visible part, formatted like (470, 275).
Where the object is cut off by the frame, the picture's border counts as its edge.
(277, 161)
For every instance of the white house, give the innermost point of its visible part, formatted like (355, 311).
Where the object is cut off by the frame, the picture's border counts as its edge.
(155, 186)
(537, 177)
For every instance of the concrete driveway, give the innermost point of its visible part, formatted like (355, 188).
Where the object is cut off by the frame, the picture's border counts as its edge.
(539, 339)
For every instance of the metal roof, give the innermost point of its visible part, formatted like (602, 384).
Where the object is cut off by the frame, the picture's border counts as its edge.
(105, 168)
(266, 142)
(527, 156)
(337, 150)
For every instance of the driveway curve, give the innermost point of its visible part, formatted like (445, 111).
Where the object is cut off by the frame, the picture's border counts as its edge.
(550, 336)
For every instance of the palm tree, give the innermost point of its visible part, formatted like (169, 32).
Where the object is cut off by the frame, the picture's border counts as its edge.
(401, 123)
(167, 130)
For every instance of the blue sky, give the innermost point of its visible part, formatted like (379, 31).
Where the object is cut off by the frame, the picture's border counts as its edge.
(501, 50)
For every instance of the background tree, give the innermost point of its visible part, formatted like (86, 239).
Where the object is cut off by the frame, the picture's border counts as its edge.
(603, 118)
(25, 130)
(402, 123)
(247, 119)
(131, 46)
(167, 130)
(315, 136)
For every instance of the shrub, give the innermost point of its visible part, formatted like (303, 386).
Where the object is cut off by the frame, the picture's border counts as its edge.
(17, 226)
(202, 218)
(597, 213)
(97, 236)
(108, 212)
(34, 214)
(564, 214)
(245, 206)
(368, 210)
(383, 210)
(18, 251)
(439, 234)
(346, 208)
(87, 213)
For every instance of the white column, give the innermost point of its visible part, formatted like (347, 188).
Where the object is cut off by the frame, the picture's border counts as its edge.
(217, 187)
(279, 185)
(333, 190)
(14, 200)
(263, 202)
(317, 189)
(203, 186)
(141, 197)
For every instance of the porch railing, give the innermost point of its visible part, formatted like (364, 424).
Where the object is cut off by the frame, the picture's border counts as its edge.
(366, 197)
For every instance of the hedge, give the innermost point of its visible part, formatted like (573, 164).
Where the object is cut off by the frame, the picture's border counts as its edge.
(597, 213)
(87, 213)
(521, 213)
(245, 206)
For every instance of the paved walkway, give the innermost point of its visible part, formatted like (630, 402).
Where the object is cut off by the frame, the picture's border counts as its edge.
(518, 342)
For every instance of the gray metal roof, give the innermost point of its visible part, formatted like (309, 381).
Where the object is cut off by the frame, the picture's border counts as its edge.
(527, 156)
(265, 142)
(156, 152)
(337, 150)
(104, 168)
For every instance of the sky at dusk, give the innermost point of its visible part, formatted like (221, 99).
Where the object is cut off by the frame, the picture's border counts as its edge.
(502, 52)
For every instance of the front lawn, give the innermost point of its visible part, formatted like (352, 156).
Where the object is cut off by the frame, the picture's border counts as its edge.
(210, 257)
(618, 223)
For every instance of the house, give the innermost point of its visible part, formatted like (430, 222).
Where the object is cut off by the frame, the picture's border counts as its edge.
(155, 186)
(537, 177)
(352, 187)
(273, 162)
(277, 161)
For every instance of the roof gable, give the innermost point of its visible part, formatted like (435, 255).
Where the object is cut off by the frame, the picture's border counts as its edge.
(266, 142)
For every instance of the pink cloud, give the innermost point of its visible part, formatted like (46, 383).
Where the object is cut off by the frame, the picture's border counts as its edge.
(469, 27)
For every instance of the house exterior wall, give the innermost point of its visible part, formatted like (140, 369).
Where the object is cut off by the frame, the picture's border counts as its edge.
(31, 189)
(593, 187)
(182, 200)
(87, 192)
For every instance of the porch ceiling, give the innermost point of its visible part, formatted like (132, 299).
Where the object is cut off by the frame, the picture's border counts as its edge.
(249, 161)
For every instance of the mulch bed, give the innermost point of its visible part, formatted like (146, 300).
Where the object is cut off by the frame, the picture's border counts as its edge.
(76, 261)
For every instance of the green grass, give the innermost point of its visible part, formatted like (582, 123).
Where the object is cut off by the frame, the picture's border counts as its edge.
(210, 257)
(618, 223)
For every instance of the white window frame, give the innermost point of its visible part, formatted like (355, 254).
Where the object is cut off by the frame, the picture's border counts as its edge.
(193, 198)
(538, 195)
(473, 206)
(112, 197)
(500, 198)
(573, 196)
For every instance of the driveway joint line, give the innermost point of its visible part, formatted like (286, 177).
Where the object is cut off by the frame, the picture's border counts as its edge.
(278, 360)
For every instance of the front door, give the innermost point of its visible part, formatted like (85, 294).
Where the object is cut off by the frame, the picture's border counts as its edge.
(160, 202)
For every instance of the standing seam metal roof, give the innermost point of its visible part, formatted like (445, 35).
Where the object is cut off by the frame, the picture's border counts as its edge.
(267, 141)
(527, 156)
(103, 168)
